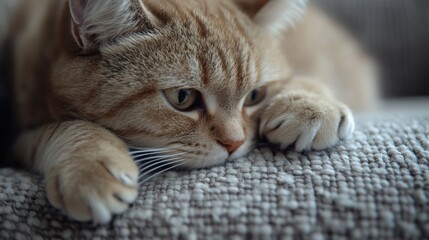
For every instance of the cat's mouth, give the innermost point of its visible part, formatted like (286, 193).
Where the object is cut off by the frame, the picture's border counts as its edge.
(154, 161)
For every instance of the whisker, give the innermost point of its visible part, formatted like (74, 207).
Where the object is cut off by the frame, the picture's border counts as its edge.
(156, 161)
(150, 159)
(156, 156)
(150, 152)
(151, 148)
(158, 173)
(163, 164)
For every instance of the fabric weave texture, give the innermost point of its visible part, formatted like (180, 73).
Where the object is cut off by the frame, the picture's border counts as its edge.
(373, 186)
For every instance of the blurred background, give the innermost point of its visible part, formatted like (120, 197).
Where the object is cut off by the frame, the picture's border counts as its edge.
(396, 33)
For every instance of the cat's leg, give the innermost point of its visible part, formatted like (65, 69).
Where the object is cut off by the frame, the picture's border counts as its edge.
(304, 113)
(89, 173)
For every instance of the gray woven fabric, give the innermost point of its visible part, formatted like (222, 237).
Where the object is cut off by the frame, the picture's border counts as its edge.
(373, 186)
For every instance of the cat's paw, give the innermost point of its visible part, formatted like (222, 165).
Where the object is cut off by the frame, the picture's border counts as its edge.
(93, 189)
(306, 120)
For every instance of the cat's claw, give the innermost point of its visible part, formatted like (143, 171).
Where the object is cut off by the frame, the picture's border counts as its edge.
(93, 190)
(307, 121)
(347, 124)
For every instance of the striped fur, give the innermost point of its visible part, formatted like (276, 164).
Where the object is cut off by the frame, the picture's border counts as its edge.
(100, 88)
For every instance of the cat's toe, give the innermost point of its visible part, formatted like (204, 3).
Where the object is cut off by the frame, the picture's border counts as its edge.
(53, 191)
(306, 123)
(115, 202)
(97, 203)
(282, 131)
(124, 171)
(337, 125)
(306, 138)
(126, 197)
(93, 190)
(100, 213)
(347, 124)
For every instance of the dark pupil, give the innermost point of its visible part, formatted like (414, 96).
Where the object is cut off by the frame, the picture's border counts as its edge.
(254, 95)
(183, 94)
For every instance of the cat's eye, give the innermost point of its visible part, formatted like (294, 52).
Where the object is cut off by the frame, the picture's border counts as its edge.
(182, 99)
(255, 96)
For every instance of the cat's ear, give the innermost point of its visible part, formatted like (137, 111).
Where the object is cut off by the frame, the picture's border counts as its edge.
(96, 22)
(274, 15)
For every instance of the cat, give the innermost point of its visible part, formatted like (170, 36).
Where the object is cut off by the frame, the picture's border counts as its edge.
(198, 81)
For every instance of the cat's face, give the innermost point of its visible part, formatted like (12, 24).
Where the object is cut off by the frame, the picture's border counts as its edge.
(191, 86)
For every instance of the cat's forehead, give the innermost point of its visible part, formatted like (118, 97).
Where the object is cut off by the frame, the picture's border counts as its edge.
(221, 43)
(203, 45)
(208, 37)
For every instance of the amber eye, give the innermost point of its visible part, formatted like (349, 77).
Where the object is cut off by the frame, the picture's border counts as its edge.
(182, 99)
(255, 96)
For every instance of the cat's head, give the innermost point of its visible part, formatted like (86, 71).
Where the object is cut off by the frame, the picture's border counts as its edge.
(185, 77)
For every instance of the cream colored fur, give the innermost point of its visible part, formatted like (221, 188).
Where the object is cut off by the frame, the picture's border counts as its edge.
(280, 15)
(91, 79)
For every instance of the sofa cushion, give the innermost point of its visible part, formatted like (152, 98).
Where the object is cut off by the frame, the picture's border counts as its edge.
(373, 186)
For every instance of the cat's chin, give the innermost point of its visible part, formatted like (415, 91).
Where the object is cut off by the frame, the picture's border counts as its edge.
(216, 160)
(220, 156)
(240, 152)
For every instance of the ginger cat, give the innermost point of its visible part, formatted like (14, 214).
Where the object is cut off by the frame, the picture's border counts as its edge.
(196, 82)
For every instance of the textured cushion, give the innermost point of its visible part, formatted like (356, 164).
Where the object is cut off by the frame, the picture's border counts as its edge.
(373, 186)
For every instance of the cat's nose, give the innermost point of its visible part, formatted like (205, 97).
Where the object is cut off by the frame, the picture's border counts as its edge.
(231, 145)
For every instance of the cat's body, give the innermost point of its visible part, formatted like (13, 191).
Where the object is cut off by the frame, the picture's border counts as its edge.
(197, 80)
